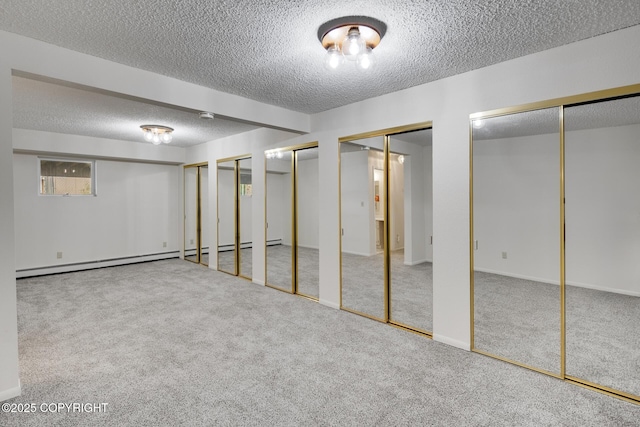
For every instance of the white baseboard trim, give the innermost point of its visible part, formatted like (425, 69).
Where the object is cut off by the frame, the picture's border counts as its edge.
(450, 341)
(330, 304)
(258, 282)
(603, 289)
(519, 276)
(358, 253)
(89, 265)
(308, 247)
(10, 393)
(556, 282)
(420, 261)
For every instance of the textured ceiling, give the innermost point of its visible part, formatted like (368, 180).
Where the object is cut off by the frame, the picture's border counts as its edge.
(268, 50)
(46, 106)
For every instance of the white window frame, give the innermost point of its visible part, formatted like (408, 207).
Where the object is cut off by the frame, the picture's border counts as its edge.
(94, 181)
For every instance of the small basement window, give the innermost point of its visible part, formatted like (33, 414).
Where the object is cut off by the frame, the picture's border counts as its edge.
(67, 177)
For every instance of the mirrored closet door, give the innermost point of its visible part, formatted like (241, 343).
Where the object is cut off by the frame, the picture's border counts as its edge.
(307, 221)
(292, 258)
(516, 248)
(279, 251)
(602, 216)
(205, 219)
(196, 217)
(411, 230)
(362, 221)
(386, 226)
(245, 215)
(234, 208)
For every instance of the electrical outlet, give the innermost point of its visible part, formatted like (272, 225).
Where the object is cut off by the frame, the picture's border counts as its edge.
(59, 255)
(164, 244)
(504, 255)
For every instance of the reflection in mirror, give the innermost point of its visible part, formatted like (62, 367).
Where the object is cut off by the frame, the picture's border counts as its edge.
(245, 192)
(411, 222)
(278, 196)
(516, 194)
(602, 216)
(307, 188)
(363, 286)
(191, 214)
(227, 217)
(204, 214)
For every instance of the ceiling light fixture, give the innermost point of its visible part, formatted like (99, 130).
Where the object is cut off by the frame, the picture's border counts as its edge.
(206, 115)
(352, 38)
(157, 134)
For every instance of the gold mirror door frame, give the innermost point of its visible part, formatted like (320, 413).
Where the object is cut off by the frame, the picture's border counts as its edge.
(283, 242)
(368, 255)
(598, 306)
(195, 213)
(230, 189)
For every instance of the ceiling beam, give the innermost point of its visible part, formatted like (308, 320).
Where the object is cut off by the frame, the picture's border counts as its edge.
(29, 57)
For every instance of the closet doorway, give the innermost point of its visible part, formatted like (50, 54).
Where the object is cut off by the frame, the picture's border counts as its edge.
(292, 226)
(386, 226)
(234, 212)
(196, 213)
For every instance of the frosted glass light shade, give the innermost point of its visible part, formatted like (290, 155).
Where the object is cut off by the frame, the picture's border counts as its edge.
(333, 58)
(353, 45)
(366, 59)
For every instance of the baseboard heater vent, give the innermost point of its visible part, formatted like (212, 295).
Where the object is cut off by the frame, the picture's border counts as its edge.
(89, 265)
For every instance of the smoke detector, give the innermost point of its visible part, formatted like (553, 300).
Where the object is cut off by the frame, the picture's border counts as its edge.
(206, 115)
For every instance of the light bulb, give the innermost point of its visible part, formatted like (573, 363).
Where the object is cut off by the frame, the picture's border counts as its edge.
(334, 58)
(366, 59)
(353, 44)
(279, 154)
(148, 136)
(166, 137)
(156, 139)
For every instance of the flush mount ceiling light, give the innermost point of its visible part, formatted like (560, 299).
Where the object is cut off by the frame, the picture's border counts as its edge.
(206, 115)
(352, 38)
(157, 134)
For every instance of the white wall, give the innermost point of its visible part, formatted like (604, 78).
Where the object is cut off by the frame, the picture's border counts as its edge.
(9, 379)
(225, 205)
(602, 211)
(308, 187)
(133, 214)
(517, 210)
(357, 205)
(277, 207)
(516, 194)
